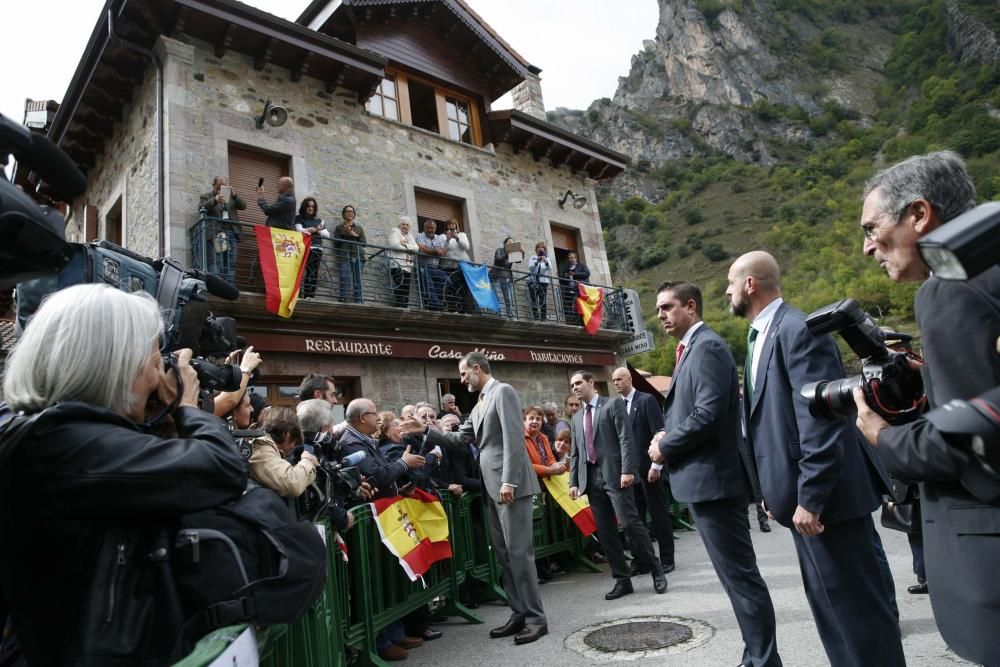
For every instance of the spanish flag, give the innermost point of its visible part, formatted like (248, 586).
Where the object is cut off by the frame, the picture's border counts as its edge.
(578, 510)
(414, 529)
(282, 255)
(590, 304)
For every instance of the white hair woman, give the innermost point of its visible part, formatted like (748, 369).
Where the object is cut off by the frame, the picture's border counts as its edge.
(87, 495)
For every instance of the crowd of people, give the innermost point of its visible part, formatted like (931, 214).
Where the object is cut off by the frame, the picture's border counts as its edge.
(434, 256)
(105, 443)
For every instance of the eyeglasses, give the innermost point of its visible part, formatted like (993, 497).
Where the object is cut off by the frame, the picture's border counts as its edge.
(365, 414)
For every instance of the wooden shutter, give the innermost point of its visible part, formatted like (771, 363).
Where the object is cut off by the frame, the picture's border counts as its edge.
(89, 223)
(246, 167)
(564, 238)
(439, 208)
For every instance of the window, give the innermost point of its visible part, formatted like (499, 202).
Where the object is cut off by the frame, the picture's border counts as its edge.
(423, 106)
(385, 101)
(458, 120)
(564, 241)
(113, 223)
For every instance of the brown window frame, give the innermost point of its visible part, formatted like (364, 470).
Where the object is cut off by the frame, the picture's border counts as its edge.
(381, 96)
(441, 96)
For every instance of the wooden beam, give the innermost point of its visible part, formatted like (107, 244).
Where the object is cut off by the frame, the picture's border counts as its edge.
(263, 59)
(604, 172)
(335, 78)
(80, 153)
(152, 19)
(180, 20)
(94, 121)
(302, 68)
(225, 41)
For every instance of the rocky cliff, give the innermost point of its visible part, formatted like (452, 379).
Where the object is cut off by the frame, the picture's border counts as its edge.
(752, 79)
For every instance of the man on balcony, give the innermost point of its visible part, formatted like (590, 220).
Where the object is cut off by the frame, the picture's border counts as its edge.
(281, 213)
(222, 237)
(433, 247)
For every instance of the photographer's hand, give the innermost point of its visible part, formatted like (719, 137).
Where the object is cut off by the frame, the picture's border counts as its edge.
(366, 491)
(869, 422)
(251, 360)
(306, 456)
(189, 378)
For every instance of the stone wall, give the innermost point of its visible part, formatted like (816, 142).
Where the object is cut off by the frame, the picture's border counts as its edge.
(342, 155)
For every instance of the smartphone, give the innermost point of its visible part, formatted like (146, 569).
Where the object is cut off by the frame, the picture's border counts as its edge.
(260, 183)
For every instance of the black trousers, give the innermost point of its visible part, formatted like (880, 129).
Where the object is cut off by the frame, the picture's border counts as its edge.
(652, 496)
(609, 501)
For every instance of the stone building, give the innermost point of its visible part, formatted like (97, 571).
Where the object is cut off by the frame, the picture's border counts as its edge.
(388, 110)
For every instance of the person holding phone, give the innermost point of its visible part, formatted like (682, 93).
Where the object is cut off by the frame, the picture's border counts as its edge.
(309, 222)
(539, 268)
(349, 241)
(501, 275)
(222, 236)
(281, 213)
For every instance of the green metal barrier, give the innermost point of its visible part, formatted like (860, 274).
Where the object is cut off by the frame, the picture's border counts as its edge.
(555, 533)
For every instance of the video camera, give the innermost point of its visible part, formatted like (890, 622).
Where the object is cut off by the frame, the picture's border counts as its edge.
(335, 477)
(892, 388)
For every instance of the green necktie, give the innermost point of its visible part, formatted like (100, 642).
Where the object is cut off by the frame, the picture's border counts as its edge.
(748, 371)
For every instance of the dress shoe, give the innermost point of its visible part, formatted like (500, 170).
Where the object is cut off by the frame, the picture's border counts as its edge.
(765, 527)
(410, 642)
(920, 588)
(622, 588)
(511, 627)
(669, 567)
(392, 653)
(430, 634)
(659, 579)
(598, 557)
(530, 633)
(637, 568)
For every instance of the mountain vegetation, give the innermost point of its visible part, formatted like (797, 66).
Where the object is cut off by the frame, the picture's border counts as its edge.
(790, 182)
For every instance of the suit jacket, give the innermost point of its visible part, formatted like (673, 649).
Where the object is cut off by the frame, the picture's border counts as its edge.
(703, 439)
(961, 533)
(214, 210)
(612, 442)
(824, 466)
(646, 419)
(281, 213)
(497, 425)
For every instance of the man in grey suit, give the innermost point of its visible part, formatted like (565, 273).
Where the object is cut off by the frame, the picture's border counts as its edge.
(700, 443)
(646, 419)
(961, 529)
(497, 425)
(817, 477)
(603, 465)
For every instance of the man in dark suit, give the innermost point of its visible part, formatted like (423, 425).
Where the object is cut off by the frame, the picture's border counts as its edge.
(700, 443)
(497, 426)
(960, 326)
(817, 477)
(646, 419)
(281, 213)
(603, 465)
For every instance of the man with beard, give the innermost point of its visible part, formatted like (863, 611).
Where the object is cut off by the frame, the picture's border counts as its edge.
(496, 425)
(816, 477)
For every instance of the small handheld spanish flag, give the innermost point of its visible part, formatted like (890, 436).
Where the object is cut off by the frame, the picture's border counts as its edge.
(282, 255)
(590, 304)
(414, 528)
(579, 510)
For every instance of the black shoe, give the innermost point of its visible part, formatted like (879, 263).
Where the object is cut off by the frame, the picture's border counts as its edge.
(919, 588)
(622, 588)
(511, 627)
(531, 633)
(638, 568)
(765, 527)
(659, 580)
(430, 634)
(668, 568)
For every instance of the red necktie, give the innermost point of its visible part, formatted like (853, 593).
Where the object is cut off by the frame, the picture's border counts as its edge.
(588, 433)
(677, 361)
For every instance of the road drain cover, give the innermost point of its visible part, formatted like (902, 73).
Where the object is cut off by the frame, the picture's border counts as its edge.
(638, 636)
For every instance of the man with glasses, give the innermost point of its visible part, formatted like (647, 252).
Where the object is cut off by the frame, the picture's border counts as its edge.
(959, 323)
(359, 436)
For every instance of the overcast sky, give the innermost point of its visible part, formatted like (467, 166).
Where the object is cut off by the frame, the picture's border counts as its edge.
(582, 46)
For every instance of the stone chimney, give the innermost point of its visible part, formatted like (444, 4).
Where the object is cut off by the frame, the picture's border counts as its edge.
(527, 96)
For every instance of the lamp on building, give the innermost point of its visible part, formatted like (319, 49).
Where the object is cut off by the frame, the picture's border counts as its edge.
(273, 115)
(579, 201)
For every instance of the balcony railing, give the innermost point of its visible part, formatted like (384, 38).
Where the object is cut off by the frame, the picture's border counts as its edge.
(365, 273)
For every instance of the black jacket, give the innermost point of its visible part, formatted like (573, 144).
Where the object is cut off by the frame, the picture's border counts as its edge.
(374, 467)
(282, 212)
(88, 505)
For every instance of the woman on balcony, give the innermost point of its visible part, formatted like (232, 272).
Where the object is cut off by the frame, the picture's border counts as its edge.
(349, 241)
(404, 246)
(309, 222)
(457, 247)
(501, 275)
(539, 268)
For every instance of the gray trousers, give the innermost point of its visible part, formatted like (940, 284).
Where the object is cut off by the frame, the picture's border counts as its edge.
(510, 533)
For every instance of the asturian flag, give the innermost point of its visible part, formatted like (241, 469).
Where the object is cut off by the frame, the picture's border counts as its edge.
(415, 529)
(477, 277)
(590, 304)
(282, 255)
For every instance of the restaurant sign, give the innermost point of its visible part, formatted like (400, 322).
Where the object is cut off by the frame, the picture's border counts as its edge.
(409, 349)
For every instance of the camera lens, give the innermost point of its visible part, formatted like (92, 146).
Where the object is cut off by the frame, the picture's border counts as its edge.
(832, 399)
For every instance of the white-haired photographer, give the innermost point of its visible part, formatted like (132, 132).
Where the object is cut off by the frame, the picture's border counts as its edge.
(88, 496)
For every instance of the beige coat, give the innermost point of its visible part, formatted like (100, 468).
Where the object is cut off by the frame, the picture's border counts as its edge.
(269, 467)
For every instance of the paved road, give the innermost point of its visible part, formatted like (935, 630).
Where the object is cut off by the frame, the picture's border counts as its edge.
(576, 600)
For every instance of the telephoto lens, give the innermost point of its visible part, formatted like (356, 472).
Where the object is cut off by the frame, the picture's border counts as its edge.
(831, 399)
